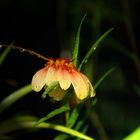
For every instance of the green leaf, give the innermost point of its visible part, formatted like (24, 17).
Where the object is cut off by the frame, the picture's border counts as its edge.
(13, 123)
(84, 117)
(61, 137)
(93, 48)
(135, 135)
(74, 116)
(84, 130)
(23, 122)
(13, 97)
(4, 54)
(103, 77)
(76, 47)
(59, 128)
(54, 113)
(50, 88)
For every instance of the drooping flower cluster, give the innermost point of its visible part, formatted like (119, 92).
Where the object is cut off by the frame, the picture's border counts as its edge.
(66, 74)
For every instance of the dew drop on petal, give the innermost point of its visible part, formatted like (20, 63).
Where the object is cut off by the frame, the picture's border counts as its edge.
(22, 50)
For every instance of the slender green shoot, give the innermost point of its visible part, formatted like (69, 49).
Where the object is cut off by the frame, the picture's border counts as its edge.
(76, 47)
(103, 77)
(135, 135)
(82, 120)
(4, 54)
(93, 48)
(74, 116)
(84, 130)
(13, 97)
(60, 128)
(61, 137)
(54, 113)
(27, 121)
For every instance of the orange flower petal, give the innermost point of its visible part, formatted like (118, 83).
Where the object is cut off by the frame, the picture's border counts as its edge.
(64, 78)
(80, 85)
(38, 80)
(51, 76)
(91, 90)
(60, 75)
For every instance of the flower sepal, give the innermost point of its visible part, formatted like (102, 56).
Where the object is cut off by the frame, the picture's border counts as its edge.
(49, 88)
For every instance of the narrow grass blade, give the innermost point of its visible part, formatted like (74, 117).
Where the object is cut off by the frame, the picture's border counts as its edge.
(61, 137)
(59, 128)
(74, 116)
(13, 97)
(93, 48)
(82, 120)
(84, 130)
(4, 54)
(29, 122)
(13, 123)
(54, 113)
(103, 77)
(76, 47)
(135, 135)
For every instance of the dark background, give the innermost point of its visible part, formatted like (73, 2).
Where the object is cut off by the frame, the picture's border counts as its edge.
(49, 28)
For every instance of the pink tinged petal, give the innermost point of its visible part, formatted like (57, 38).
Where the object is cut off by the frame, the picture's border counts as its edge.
(80, 85)
(38, 80)
(57, 94)
(63, 77)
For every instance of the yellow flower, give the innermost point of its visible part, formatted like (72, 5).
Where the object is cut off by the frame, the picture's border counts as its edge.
(66, 74)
